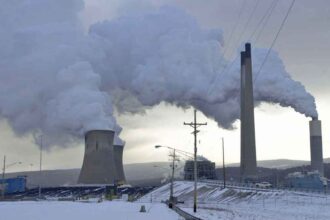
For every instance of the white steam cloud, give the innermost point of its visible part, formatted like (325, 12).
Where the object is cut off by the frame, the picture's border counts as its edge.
(58, 80)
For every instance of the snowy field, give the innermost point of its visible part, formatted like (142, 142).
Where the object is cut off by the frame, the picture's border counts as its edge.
(47, 210)
(239, 203)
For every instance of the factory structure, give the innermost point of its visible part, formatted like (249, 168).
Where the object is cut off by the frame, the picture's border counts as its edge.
(103, 159)
(103, 163)
(248, 164)
(205, 170)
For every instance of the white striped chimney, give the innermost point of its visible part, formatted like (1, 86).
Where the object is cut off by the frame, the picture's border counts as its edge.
(315, 131)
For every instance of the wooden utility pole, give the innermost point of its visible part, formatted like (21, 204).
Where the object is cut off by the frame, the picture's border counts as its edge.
(40, 166)
(3, 184)
(223, 163)
(174, 159)
(195, 125)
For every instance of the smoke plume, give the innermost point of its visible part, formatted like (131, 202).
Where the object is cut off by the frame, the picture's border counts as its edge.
(60, 81)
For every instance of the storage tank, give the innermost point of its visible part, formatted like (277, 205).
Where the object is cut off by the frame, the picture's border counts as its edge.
(99, 165)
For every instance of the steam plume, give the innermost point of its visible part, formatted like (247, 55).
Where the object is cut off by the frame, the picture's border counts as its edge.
(60, 81)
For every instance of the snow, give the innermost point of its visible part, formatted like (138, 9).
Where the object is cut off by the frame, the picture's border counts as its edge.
(56, 210)
(235, 203)
(243, 203)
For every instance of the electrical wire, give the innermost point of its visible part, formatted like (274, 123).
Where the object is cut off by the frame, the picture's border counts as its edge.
(268, 13)
(274, 40)
(228, 66)
(235, 26)
(248, 20)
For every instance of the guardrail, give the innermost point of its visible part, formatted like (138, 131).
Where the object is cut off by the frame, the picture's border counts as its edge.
(253, 187)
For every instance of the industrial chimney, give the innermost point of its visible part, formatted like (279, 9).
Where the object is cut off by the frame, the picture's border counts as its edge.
(99, 165)
(248, 146)
(315, 131)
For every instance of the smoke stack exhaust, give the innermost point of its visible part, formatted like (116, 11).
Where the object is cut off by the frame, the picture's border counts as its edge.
(315, 131)
(248, 146)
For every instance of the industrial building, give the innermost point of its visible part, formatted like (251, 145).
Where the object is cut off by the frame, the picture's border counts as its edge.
(248, 164)
(13, 185)
(306, 180)
(102, 160)
(315, 131)
(205, 170)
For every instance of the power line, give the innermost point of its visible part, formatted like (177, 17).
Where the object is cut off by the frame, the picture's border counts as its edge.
(234, 28)
(228, 65)
(274, 40)
(229, 40)
(266, 16)
(248, 20)
(266, 21)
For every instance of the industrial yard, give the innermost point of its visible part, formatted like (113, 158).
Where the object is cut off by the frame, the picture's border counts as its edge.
(214, 202)
(164, 109)
(237, 202)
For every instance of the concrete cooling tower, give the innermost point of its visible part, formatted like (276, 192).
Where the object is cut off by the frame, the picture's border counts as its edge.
(316, 145)
(119, 163)
(102, 161)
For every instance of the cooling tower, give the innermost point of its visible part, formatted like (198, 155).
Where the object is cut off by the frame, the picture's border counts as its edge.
(99, 165)
(316, 145)
(248, 146)
(118, 149)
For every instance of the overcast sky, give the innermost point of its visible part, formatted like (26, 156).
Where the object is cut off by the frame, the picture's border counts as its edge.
(303, 46)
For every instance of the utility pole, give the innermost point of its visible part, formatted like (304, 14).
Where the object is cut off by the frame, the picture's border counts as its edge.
(223, 163)
(40, 166)
(195, 125)
(174, 159)
(3, 185)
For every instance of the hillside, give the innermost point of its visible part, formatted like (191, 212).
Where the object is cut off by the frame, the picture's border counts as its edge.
(156, 173)
(139, 174)
(237, 203)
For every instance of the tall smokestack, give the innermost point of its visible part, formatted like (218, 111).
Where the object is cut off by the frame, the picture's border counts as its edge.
(99, 165)
(242, 114)
(315, 131)
(248, 146)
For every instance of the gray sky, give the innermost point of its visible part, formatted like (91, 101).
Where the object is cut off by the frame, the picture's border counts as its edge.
(280, 132)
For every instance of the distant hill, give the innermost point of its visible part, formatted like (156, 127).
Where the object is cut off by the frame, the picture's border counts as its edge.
(156, 173)
(280, 163)
(136, 174)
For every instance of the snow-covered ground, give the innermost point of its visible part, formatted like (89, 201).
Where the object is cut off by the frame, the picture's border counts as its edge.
(213, 203)
(56, 210)
(240, 203)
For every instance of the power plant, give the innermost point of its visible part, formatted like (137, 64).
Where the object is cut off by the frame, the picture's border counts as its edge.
(102, 160)
(118, 156)
(315, 131)
(248, 167)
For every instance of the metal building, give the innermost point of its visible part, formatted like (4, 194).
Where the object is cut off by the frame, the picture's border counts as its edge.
(205, 170)
(99, 165)
(13, 185)
(248, 167)
(316, 146)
